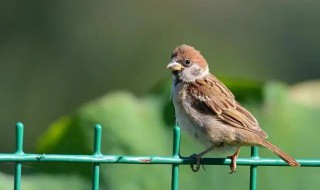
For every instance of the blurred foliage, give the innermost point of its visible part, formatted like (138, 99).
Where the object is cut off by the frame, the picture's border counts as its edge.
(306, 93)
(135, 126)
(126, 122)
(47, 182)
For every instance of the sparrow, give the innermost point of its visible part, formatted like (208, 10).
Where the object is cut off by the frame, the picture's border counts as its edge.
(208, 111)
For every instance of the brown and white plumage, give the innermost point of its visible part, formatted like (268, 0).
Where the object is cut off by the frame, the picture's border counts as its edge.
(207, 109)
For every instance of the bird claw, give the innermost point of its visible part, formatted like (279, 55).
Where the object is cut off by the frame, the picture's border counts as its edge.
(203, 167)
(198, 159)
(233, 170)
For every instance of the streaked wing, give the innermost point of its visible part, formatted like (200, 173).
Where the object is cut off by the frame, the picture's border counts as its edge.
(211, 93)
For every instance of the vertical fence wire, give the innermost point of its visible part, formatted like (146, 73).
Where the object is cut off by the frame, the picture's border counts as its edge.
(175, 154)
(17, 176)
(253, 169)
(19, 151)
(97, 152)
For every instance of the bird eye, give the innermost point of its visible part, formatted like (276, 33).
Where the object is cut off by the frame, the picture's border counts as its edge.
(187, 61)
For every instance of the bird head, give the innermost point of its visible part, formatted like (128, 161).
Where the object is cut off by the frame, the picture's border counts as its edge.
(187, 64)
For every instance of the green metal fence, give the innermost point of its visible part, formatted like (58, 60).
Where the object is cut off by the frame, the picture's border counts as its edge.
(175, 159)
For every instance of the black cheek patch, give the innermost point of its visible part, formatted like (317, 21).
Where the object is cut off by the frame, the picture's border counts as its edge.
(196, 72)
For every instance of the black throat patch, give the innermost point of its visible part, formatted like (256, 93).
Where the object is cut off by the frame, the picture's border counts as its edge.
(177, 79)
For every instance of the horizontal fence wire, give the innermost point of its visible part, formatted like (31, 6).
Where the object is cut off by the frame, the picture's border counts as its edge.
(175, 160)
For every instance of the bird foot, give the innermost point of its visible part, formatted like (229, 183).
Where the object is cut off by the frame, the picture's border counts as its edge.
(198, 160)
(233, 165)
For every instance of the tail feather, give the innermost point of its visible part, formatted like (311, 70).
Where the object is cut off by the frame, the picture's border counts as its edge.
(284, 156)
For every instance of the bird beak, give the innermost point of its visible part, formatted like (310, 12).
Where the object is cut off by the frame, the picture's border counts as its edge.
(175, 66)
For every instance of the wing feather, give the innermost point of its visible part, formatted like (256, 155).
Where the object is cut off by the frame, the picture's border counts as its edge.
(221, 102)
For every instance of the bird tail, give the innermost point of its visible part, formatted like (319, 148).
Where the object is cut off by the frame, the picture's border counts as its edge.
(284, 156)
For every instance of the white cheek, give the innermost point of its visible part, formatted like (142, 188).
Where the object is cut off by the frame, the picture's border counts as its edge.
(206, 71)
(188, 76)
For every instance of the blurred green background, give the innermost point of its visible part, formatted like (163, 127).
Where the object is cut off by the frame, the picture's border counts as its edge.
(66, 65)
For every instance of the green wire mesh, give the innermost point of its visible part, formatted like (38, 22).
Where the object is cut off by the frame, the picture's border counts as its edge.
(175, 160)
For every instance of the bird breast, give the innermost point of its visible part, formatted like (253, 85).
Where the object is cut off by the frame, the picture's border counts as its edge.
(205, 128)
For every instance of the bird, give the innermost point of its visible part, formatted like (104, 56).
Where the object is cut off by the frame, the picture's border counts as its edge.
(209, 112)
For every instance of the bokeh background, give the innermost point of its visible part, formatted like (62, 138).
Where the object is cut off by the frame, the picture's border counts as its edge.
(65, 65)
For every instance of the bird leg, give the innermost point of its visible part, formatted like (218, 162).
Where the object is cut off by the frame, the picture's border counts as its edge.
(233, 158)
(198, 158)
